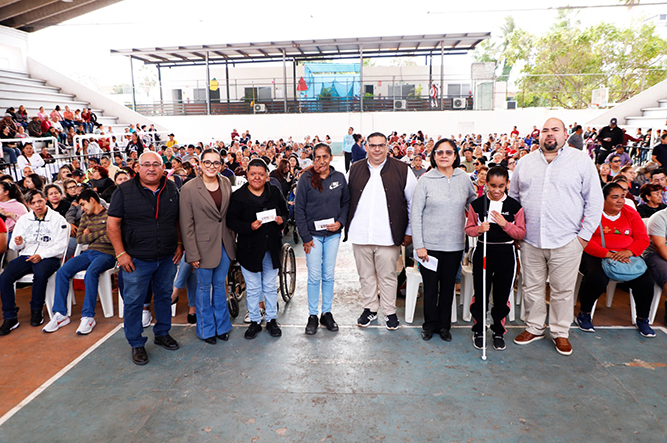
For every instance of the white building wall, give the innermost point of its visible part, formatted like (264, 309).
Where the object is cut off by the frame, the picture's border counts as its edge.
(13, 49)
(189, 129)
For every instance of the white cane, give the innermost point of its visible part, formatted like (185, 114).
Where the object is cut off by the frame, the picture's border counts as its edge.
(484, 294)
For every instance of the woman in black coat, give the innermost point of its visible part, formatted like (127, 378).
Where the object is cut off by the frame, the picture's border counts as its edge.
(259, 243)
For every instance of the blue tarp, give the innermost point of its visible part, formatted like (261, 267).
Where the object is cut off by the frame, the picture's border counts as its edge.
(341, 78)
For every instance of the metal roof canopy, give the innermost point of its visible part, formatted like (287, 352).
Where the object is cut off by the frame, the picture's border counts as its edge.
(301, 50)
(33, 15)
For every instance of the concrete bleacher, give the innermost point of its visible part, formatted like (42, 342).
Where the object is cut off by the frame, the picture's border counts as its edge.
(653, 117)
(18, 88)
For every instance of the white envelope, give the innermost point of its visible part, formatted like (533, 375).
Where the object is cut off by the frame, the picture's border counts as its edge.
(495, 206)
(321, 225)
(431, 264)
(267, 216)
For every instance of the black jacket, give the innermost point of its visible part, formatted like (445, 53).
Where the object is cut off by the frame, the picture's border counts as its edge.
(150, 231)
(252, 245)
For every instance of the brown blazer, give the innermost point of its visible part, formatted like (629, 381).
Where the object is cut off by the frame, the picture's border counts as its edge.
(203, 225)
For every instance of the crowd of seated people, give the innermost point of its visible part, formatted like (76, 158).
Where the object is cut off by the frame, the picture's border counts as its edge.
(76, 192)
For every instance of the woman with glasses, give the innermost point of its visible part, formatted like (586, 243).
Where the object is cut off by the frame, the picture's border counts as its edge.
(209, 245)
(615, 165)
(438, 220)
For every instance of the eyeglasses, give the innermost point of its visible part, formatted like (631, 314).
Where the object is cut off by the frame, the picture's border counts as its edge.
(447, 152)
(149, 165)
(381, 145)
(615, 161)
(70, 187)
(209, 163)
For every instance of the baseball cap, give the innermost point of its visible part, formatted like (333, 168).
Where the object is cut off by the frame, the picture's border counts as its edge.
(613, 121)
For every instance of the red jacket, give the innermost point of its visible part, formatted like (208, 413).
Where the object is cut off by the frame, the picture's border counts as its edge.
(628, 232)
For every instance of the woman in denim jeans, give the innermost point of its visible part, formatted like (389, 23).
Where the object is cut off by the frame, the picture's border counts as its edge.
(259, 243)
(321, 207)
(209, 245)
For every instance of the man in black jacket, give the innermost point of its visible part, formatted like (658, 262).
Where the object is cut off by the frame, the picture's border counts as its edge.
(609, 136)
(143, 229)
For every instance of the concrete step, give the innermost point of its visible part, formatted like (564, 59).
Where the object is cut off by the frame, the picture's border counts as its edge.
(654, 112)
(16, 74)
(28, 88)
(645, 122)
(7, 92)
(662, 103)
(21, 81)
(48, 103)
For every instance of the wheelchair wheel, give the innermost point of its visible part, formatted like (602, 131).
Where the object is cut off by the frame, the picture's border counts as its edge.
(236, 282)
(233, 306)
(287, 273)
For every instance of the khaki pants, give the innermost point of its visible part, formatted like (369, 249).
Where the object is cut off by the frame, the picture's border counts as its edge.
(561, 266)
(376, 266)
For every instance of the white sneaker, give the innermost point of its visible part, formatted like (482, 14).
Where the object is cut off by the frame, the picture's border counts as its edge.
(86, 326)
(146, 318)
(57, 322)
(246, 318)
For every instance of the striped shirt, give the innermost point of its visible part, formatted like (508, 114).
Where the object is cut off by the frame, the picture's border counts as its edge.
(98, 239)
(561, 199)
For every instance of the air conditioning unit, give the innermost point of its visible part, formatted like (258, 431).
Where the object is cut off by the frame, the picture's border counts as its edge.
(259, 107)
(511, 104)
(400, 105)
(459, 103)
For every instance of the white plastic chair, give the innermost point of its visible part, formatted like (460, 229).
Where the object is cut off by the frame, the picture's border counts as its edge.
(611, 288)
(104, 287)
(50, 284)
(414, 279)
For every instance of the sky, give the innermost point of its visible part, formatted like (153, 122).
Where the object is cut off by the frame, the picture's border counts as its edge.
(150, 23)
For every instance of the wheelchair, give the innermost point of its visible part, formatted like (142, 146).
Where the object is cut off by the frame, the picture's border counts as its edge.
(286, 276)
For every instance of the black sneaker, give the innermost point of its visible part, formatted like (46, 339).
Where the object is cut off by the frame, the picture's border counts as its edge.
(167, 342)
(274, 329)
(36, 318)
(311, 327)
(252, 331)
(498, 342)
(478, 340)
(8, 326)
(392, 322)
(366, 318)
(328, 322)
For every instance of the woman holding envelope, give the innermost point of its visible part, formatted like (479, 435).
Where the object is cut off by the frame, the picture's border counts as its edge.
(209, 245)
(438, 218)
(257, 213)
(321, 207)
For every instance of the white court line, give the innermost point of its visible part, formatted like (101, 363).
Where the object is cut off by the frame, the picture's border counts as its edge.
(53, 379)
(76, 361)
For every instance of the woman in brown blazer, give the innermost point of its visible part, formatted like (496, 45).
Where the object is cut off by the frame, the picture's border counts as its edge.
(209, 245)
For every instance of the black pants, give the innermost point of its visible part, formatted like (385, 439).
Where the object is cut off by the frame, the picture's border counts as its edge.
(500, 273)
(348, 160)
(595, 283)
(439, 290)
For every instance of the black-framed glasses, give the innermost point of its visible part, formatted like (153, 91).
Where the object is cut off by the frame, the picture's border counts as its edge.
(209, 163)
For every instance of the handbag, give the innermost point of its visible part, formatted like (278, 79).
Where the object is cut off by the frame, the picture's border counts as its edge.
(620, 271)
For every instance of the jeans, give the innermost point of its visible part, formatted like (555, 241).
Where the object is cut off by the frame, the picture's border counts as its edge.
(16, 269)
(13, 153)
(160, 274)
(212, 313)
(258, 283)
(95, 263)
(185, 278)
(321, 262)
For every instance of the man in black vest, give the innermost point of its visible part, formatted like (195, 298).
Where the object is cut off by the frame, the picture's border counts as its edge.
(378, 223)
(143, 229)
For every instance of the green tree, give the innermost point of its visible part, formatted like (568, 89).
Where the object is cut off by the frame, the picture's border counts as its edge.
(565, 65)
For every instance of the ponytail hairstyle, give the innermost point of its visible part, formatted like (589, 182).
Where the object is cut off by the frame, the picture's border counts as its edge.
(316, 179)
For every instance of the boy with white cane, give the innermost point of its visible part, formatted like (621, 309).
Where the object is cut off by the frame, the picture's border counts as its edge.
(500, 219)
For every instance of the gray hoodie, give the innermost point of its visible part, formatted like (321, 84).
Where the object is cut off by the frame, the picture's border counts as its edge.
(438, 210)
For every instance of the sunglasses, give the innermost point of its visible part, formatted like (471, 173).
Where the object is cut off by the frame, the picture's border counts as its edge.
(444, 152)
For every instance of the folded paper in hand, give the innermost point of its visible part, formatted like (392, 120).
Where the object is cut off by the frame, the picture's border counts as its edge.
(267, 216)
(431, 264)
